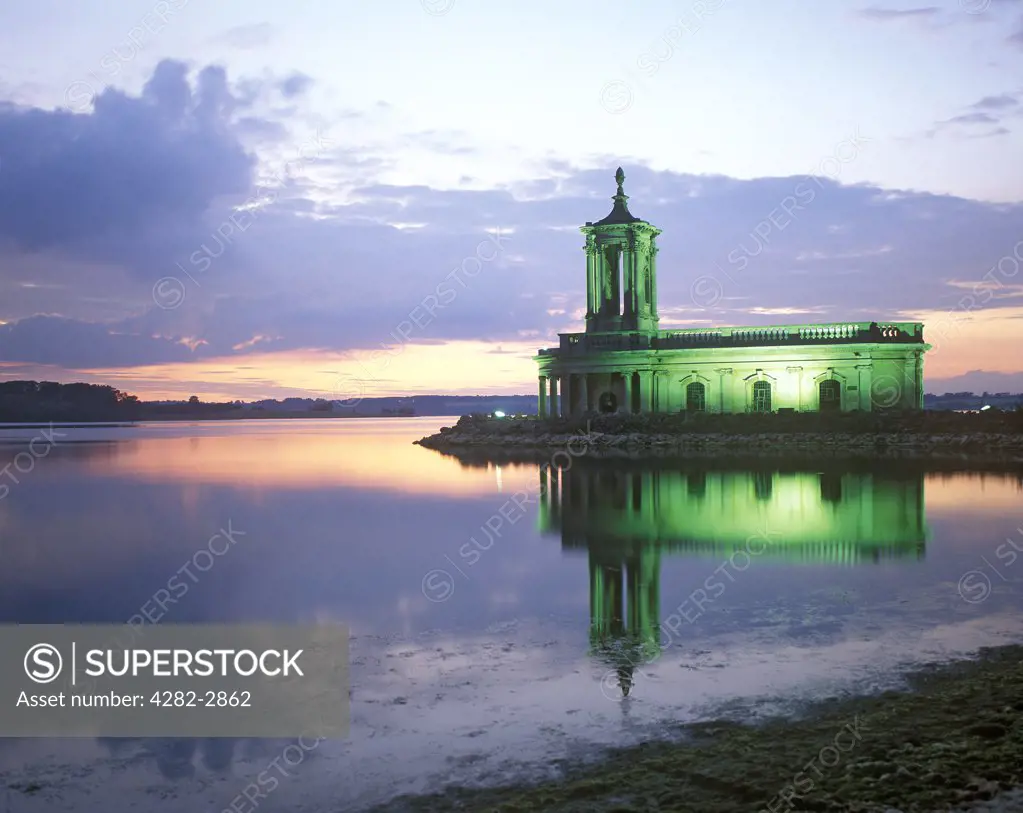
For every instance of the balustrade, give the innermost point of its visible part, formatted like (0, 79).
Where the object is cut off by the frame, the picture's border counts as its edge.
(582, 343)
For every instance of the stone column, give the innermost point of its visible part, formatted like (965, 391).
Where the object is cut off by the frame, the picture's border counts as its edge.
(865, 382)
(542, 401)
(725, 400)
(798, 372)
(646, 383)
(627, 406)
(593, 287)
(912, 385)
(584, 395)
(554, 397)
(653, 279)
(642, 283)
(612, 274)
(627, 282)
(600, 282)
(919, 379)
(633, 268)
(589, 281)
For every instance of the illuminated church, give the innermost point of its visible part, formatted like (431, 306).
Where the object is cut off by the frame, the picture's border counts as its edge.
(625, 363)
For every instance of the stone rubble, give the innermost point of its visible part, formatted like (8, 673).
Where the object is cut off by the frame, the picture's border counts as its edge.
(477, 433)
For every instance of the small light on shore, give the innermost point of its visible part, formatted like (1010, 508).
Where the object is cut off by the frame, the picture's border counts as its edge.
(986, 406)
(498, 414)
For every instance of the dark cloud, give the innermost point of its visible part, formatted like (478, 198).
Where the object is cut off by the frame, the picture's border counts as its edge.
(348, 280)
(72, 343)
(295, 85)
(972, 118)
(997, 131)
(886, 14)
(101, 180)
(1000, 102)
(246, 37)
(1016, 38)
(990, 110)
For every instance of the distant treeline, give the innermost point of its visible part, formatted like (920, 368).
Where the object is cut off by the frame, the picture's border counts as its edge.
(49, 401)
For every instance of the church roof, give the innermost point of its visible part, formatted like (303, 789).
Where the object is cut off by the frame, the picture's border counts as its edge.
(620, 211)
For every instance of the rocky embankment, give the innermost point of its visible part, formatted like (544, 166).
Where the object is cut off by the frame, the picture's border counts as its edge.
(920, 436)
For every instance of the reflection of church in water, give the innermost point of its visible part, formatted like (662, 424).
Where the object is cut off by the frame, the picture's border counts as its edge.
(626, 520)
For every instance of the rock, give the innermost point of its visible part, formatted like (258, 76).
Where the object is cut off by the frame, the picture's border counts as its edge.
(988, 731)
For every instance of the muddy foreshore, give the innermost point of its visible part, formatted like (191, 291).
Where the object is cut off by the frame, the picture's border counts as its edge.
(952, 740)
(932, 437)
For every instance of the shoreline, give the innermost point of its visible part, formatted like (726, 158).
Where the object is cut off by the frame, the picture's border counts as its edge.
(950, 740)
(926, 437)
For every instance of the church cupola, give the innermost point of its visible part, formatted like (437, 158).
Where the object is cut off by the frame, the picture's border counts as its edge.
(621, 269)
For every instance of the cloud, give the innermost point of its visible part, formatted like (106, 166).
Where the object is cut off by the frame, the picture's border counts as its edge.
(102, 183)
(997, 131)
(103, 206)
(246, 37)
(295, 85)
(972, 118)
(63, 342)
(1000, 102)
(889, 14)
(348, 280)
(1016, 38)
(990, 110)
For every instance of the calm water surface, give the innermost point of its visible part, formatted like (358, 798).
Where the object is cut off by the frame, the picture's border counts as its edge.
(497, 614)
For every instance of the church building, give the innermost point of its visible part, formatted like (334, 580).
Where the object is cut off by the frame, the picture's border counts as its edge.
(625, 363)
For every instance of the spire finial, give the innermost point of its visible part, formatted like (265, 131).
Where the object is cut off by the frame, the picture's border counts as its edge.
(620, 213)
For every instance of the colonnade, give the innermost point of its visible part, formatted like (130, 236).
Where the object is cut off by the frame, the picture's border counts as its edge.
(565, 394)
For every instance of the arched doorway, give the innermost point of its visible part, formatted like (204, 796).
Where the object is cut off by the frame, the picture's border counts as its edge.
(830, 392)
(608, 402)
(696, 397)
(761, 396)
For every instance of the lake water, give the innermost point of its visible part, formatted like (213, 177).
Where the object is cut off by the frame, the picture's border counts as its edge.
(497, 613)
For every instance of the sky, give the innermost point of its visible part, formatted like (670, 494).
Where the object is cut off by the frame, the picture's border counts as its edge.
(257, 199)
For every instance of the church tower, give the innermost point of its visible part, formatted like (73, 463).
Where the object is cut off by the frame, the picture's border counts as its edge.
(621, 270)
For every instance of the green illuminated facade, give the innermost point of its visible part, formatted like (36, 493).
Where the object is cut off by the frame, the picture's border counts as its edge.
(626, 520)
(625, 363)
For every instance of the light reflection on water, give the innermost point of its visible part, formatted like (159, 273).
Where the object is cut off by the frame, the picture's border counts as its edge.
(702, 591)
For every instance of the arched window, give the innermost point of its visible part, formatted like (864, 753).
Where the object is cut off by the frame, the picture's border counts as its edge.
(761, 396)
(696, 397)
(830, 395)
(608, 402)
